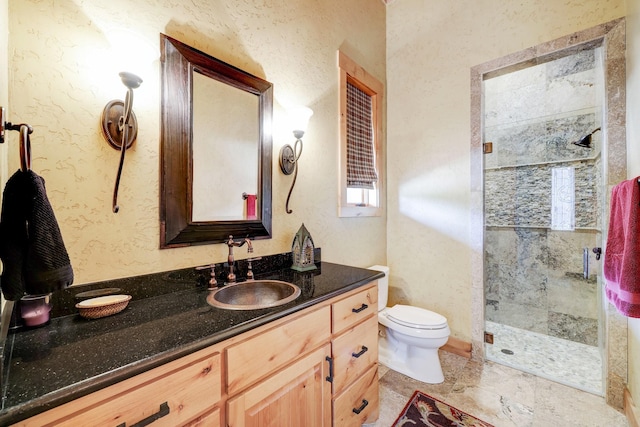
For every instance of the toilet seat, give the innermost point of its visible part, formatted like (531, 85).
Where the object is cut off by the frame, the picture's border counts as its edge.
(416, 317)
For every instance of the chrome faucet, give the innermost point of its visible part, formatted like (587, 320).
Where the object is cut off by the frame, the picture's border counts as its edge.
(231, 278)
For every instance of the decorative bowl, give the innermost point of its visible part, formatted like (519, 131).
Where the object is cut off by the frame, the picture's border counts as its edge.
(95, 308)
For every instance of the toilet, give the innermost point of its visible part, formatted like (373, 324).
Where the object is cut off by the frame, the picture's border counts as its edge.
(409, 336)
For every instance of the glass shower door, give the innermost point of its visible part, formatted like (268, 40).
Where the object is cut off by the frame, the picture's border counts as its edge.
(543, 219)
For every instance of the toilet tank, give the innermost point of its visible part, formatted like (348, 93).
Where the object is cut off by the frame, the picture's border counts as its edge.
(383, 285)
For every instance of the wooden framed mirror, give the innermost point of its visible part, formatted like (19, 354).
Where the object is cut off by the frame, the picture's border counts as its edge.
(215, 149)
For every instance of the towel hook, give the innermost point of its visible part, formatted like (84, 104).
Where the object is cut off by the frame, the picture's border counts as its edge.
(25, 147)
(2, 124)
(25, 141)
(5, 126)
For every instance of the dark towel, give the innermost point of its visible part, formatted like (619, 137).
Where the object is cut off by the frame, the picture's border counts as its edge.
(621, 266)
(34, 258)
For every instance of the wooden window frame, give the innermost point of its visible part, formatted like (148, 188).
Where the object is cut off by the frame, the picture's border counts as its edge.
(351, 72)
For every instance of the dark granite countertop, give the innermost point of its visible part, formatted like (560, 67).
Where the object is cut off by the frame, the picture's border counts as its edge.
(167, 318)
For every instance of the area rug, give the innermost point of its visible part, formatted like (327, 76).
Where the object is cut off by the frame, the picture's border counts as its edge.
(424, 410)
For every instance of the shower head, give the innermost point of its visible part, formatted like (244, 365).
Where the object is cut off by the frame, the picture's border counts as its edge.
(585, 141)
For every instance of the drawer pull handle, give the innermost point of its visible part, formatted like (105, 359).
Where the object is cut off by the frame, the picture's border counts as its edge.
(358, 310)
(164, 410)
(363, 351)
(361, 408)
(330, 377)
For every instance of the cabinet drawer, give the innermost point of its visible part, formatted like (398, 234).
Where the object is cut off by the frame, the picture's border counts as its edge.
(210, 419)
(354, 351)
(172, 394)
(261, 355)
(353, 309)
(359, 402)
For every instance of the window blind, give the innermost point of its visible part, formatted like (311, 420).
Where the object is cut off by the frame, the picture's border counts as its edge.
(361, 171)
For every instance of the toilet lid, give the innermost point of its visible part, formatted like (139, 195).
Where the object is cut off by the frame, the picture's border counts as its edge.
(416, 317)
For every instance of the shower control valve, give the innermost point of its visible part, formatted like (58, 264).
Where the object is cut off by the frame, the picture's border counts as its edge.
(598, 252)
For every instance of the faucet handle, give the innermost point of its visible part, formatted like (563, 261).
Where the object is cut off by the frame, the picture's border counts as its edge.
(212, 282)
(206, 267)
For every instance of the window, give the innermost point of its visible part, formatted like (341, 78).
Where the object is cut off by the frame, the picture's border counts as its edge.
(361, 147)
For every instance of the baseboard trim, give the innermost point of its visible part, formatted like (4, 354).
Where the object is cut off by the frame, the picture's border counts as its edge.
(630, 410)
(457, 346)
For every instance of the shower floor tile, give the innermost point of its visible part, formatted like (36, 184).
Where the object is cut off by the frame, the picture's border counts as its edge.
(567, 362)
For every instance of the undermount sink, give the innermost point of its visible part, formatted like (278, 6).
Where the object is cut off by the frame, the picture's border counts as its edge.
(254, 294)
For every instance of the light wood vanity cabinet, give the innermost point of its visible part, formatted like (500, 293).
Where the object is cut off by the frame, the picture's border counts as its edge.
(173, 394)
(309, 383)
(314, 368)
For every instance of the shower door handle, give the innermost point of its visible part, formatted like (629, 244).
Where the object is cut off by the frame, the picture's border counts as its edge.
(585, 263)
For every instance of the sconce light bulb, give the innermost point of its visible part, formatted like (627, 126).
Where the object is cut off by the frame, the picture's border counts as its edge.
(130, 80)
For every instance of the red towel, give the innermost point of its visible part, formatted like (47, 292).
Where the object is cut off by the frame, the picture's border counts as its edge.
(622, 256)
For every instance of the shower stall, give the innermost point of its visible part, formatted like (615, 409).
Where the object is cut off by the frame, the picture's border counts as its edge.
(543, 209)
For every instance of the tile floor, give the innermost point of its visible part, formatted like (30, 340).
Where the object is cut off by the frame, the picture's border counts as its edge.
(499, 395)
(567, 362)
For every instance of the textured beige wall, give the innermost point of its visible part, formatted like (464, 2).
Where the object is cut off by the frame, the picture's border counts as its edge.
(431, 47)
(633, 170)
(62, 72)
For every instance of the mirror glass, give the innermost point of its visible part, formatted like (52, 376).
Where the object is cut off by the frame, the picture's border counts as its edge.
(225, 144)
(215, 149)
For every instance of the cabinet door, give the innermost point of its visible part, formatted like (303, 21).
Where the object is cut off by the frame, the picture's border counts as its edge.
(298, 395)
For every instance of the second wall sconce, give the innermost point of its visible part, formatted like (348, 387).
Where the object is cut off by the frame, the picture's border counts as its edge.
(120, 127)
(299, 119)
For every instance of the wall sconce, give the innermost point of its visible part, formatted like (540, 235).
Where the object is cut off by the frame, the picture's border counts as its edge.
(299, 118)
(119, 125)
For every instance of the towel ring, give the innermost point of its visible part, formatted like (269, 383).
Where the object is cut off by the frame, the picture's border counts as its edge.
(25, 148)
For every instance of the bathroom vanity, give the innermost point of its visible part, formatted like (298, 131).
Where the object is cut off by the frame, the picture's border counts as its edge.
(311, 362)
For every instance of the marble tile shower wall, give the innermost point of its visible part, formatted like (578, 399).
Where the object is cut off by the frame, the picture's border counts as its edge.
(545, 141)
(534, 275)
(521, 196)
